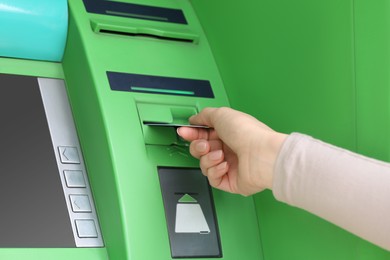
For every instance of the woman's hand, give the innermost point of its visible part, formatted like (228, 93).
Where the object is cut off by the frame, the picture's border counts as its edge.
(237, 153)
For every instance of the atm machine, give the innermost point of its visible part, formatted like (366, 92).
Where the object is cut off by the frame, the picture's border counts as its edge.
(91, 166)
(132, 69)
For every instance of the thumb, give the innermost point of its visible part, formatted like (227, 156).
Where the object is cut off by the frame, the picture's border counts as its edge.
(205, 117)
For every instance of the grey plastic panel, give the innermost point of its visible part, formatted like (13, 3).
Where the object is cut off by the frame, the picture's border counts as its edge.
(66, 147)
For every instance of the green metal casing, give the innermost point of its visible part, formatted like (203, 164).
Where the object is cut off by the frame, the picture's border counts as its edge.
(315, 67)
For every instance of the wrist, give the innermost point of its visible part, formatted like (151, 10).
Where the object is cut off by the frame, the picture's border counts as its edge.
(268, 154)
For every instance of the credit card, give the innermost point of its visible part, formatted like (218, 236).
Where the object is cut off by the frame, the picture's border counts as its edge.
(174, 125)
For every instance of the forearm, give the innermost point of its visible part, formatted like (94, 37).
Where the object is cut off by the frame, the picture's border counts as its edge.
(344, 188)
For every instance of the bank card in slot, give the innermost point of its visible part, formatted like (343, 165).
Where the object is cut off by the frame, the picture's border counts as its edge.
(174, 125)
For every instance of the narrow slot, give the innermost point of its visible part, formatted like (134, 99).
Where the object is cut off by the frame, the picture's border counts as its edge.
(163, 91)
(183, 193)
(146, 35)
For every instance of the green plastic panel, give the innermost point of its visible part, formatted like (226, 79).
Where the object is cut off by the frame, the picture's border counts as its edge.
(53, 253)
(317, 67)
(122, 165)
(31, 68)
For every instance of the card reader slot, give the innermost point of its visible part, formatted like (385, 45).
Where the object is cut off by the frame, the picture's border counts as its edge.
(159, 122)
(146, 35)
(141, 31)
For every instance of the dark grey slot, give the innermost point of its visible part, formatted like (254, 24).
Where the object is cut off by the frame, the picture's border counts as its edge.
(166, 38)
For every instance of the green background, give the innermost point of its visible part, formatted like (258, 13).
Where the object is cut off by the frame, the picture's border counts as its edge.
(316, 67)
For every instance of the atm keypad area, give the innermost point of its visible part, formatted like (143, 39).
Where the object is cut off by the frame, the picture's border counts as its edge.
(44, 189)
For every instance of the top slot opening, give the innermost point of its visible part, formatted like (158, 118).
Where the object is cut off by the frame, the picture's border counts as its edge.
(143, 31)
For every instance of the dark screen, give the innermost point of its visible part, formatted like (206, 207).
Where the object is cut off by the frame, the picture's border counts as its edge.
(33, 211)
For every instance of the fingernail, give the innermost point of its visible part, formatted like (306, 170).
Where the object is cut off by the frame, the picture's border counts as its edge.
(178, 131)
(216, 155)
(201, 147)
(221, 166)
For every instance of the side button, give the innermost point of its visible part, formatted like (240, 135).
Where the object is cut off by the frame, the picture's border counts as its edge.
(80, 203)
(74, 179)
(69, 154)
(86, 228)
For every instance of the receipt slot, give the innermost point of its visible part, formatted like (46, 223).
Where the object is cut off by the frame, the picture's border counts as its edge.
(190, 214)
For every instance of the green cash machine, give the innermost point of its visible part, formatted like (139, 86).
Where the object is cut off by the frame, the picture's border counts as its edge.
(92, 91)
(123, 183)
(133, 70)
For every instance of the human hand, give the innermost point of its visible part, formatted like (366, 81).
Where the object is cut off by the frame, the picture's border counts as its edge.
(237, 153)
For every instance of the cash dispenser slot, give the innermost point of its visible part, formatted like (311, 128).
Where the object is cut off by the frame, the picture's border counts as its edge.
(144, 31)
(159, 122)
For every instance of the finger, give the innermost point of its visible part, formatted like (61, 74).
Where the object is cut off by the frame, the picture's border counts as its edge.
(215, 145)
(191, 133)
(210, 160)
(216, 175)
(209, 117)
(205, 117)
(199, 148)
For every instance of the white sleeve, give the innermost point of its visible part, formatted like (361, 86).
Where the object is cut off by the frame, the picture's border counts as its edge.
(347, 189)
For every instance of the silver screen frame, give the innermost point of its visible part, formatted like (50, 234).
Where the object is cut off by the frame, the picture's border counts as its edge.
(63, 134)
